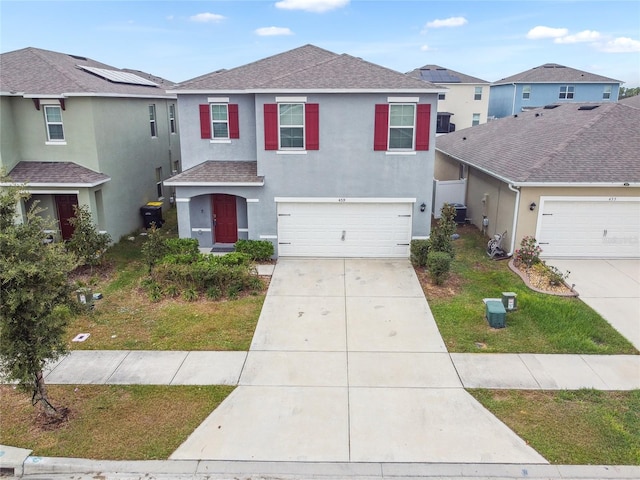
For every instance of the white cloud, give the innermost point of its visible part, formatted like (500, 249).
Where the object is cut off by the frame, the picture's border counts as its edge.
(425, 48)
(273, 31)
(539, 32)
(584, 36)
(316, 6)
(447, 22)
(207, 18)
(620, 45)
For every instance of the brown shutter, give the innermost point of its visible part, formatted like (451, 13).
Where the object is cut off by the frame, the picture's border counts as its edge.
(381, 128)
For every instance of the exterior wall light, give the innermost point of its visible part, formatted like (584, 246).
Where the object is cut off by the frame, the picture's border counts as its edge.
(532, 206)
(423, 207)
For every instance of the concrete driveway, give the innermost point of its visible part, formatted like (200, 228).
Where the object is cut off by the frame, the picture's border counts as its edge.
(611, 288)
(347, 365)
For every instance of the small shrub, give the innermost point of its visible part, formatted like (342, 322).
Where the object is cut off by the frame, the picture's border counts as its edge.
(555, 276)
(529, 252)
(439, 265)
(234, 259)
(154, 248)
(258, 250)
(172, 291)
(440, 238)
(190, 295)
(419, 251)
(86, 243)
(214, 293)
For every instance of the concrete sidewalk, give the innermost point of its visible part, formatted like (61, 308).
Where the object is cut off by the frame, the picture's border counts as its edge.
(474, 370)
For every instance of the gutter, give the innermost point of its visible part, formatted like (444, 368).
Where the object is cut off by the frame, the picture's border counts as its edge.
(515, 219)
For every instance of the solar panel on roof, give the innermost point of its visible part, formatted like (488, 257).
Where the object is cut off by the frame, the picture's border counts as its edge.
(118, 76)
(588, 107)
(438, 76)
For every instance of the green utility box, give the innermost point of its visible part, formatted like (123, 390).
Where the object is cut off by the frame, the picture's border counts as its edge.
(510, 301)
(495, 313)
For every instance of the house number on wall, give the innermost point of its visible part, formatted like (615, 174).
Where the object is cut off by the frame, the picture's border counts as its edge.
(342, 200)
(613, 199)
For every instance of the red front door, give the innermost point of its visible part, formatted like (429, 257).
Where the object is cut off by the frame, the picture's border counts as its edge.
(64, 206)
(224, 219)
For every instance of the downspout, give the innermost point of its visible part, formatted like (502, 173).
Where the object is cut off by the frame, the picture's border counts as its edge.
(515, 219)
(513, 103)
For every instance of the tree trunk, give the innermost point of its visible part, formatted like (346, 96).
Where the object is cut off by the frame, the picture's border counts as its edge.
(40, 395)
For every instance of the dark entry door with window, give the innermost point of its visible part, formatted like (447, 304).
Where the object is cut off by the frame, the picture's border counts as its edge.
(64, 207)
(224, 218)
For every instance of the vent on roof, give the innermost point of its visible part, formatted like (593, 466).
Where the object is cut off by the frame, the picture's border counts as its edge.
(550, 107)
(78, 57)
(118, 76)
(588, 107)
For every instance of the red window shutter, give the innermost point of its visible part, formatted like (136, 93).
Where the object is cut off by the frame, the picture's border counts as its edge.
(312, 126)
(381, 129)
(205, 121)
(423, 126)
(234, 124)
(270, 126)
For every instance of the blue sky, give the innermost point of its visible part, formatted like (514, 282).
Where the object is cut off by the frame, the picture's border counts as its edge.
(180, 40)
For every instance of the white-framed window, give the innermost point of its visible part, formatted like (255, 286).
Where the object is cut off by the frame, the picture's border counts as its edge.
(159, 183)
(172, 118)
(402, 121)
(526, 92)
(291, 125)
(477, 94)
(475, 120)
(152, 121)
(607, 92)
(219, 121)
(442, 96)
(566, 92)
(53, 120)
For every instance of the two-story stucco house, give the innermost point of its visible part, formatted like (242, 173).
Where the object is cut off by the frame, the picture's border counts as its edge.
(547, 84)
(322, 154)
(78, 132)
(464, 104)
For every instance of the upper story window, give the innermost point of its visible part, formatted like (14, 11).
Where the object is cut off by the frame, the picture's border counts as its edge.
(291, 121)
(219, 121)
(152, 121)
(566, 92)
(402, 125)
(475, 119)
(441, 96)
(53, 120)
(477, 94)
(159, 183)
(402, 118)
(291, 125)
(172, 118)
(526, 92)
(607, 92)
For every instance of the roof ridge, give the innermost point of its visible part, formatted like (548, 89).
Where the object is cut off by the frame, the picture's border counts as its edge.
(561, 146)
(302, 69)
(37, 52)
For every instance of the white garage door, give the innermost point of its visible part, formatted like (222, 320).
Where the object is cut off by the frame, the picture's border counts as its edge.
(590, 227)
(344, 229)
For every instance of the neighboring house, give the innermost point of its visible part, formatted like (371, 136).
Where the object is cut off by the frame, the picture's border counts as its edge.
(547, 84)
(321, 154)
(464, 104)
(79, 132)
(568, 175)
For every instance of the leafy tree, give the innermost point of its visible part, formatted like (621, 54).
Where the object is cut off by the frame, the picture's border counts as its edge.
(154, 248)
(86, 243)
(628, 92)
(34, 298)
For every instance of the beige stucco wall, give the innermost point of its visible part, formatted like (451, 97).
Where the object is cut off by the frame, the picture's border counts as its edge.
(459, 100)
(445, 168)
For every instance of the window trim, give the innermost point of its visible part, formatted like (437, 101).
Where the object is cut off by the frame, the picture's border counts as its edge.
(477, 95)
(153, 124)
(413, 128)
(526, 92)
(473, 119)
(606, 94)
(214, 139)
(53, 141)
(303, 127)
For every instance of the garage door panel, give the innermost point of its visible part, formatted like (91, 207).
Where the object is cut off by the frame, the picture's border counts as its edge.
(344, 229)
(598, 228)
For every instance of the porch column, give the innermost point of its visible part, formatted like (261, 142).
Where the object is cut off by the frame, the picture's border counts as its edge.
(253, 220)
(184, 217)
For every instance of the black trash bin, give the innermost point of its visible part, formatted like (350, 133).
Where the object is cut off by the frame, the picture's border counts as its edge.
(152, 213)
(461, 213)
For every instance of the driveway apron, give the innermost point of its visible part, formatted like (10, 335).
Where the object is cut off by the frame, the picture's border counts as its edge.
(347, 365)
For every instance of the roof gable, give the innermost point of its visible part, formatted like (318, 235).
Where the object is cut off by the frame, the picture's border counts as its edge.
(554, 73)
(559, 145)
(33, 71)
(305, 68)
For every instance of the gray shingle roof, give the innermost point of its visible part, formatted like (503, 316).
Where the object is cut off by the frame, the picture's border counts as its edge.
(34, 71)
(631, 101)
(554, 73)
(59, 173)
(427, 69)
(218, 172)
(306, 68)
(559, 145)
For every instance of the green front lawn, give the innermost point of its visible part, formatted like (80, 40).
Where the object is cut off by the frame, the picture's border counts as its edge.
(543, 323)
